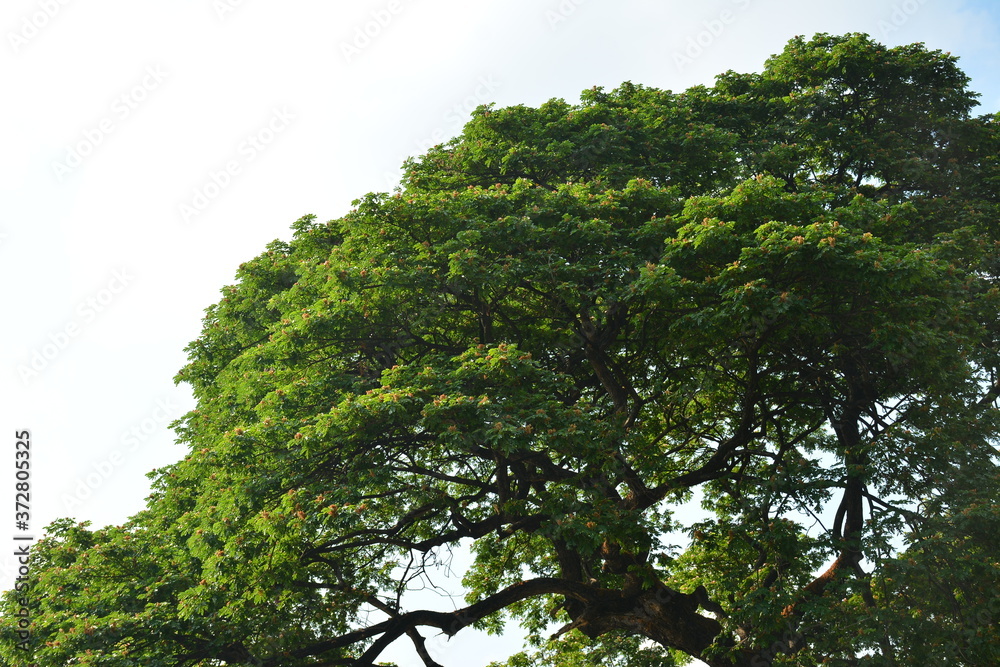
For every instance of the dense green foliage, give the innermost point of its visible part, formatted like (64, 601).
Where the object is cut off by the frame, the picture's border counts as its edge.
(777, 295)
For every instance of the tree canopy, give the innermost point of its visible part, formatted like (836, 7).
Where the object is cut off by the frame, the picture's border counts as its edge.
(774, 299)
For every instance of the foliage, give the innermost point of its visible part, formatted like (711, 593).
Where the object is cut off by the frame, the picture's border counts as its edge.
(777, 295)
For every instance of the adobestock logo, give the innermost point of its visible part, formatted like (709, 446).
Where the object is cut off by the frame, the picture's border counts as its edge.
(562, 13)
(101, 471)
(32, 25)
(454, 117)
(121, 108)
(224, 7)
(246, 152)
(87, 311)
(901, 14)
(698, 43)
(364, 34)
(458, 114)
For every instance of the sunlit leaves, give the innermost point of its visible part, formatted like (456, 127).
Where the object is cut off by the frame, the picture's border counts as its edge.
(778, 295)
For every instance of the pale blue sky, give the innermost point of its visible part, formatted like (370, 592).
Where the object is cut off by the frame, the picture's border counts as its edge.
(257, 113)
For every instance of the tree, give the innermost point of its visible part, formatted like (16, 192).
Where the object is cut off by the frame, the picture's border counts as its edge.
(778, 296)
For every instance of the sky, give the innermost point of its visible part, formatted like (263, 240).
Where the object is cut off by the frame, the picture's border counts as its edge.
(148, 148)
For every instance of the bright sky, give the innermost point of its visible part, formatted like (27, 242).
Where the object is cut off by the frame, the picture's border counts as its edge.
(150, 148)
